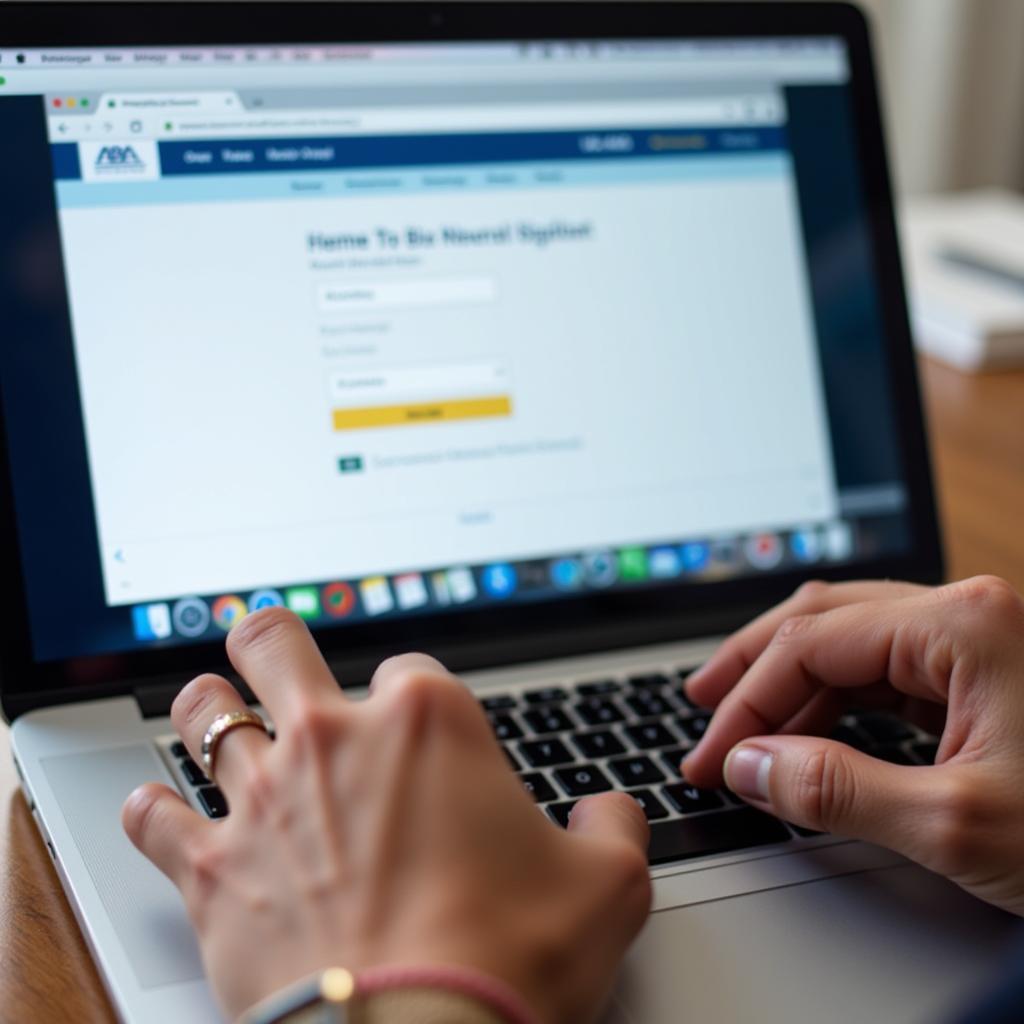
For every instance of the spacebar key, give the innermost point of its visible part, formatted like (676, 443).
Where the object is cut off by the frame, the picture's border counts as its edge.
(704, 834)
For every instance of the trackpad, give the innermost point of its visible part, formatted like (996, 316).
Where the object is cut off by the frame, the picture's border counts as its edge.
(144, 908)
(898, 945)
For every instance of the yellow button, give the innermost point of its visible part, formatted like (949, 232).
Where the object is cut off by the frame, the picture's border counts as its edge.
(422, 412)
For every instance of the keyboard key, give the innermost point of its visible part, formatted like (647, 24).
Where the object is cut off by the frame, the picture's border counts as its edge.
(498, 702)
(513, 763)
(548, 720)
(671, 759)
(195, 775)
(636, 771)
(546, 695)
(213, 801)
(883, 728)
(925, 753)
(651, 805)
(646, 704)
(580, 779)
(598, 712)
(650, 734)
(543, 753)
(649, 681)
(695, 727)
(178, 749)
(688, 799)
(560, 812)
(602, 743)
(599, 689)
(539, 788)
(505, 727)
(682, 838)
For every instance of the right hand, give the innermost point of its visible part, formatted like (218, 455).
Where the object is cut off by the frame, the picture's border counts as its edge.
(954, 654)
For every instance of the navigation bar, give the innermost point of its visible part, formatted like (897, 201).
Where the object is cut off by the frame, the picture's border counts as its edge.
(243, 156)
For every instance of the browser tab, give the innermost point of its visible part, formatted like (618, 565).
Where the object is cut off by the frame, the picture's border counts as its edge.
(171, 102)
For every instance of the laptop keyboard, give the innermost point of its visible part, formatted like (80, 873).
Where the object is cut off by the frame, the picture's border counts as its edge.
(630, 733)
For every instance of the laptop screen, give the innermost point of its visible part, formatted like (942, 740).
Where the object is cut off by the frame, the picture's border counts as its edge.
(384, 331)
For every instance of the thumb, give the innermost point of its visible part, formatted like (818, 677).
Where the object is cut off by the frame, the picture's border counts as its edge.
(611, 816)
(830, 787)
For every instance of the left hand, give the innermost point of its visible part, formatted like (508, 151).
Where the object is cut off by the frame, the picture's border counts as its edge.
(386, 831)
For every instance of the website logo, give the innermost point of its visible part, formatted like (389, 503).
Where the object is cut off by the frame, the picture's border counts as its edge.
(137, 160)
(151, 621)
(228, 610)
(339, 600)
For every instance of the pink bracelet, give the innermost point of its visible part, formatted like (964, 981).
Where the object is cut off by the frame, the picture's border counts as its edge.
(494, 994)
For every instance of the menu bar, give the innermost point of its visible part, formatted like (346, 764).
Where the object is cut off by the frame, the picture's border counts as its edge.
(298, 54)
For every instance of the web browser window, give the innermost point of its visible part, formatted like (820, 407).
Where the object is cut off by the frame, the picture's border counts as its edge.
(372, 330)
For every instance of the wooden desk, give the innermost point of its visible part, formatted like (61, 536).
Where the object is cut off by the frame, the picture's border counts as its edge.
(977, 426)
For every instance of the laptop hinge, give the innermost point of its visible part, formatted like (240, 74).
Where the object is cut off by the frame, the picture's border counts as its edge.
(155, 698)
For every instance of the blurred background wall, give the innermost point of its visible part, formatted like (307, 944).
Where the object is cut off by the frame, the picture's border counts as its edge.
(953, 74)
(953, 80)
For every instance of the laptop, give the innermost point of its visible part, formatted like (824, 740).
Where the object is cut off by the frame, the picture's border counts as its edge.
(556, 340)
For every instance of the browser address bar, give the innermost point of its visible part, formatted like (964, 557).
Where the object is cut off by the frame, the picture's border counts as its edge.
(757, 108)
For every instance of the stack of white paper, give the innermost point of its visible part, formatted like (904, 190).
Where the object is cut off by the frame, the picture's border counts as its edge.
(964, 257)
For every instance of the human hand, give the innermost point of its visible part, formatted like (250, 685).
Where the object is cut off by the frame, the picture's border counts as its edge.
(957, 648)
(388, 831)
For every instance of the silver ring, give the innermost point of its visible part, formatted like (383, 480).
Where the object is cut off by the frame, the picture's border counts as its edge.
(219, 728)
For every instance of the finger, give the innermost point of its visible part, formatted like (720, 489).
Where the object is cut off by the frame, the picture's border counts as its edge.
(829, 787)
(277, 656)
(818, 716)
(193, 712)
(396, 670)
(709, 684)
(163, 827)
(611, 816)
(845, 648)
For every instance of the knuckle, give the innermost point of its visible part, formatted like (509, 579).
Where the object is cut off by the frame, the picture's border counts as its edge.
(259, 791)
(206, 863)
(811, 593)
(955, 826)
(990, 595)
(417, 694)
(792, 628)
(192, 702)
(264, 628)
(823, 789)
(316, 725)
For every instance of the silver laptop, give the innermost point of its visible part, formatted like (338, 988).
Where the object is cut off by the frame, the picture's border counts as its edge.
(554, 340)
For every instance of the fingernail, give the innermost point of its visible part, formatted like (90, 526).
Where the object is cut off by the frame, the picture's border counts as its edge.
(746, 772)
